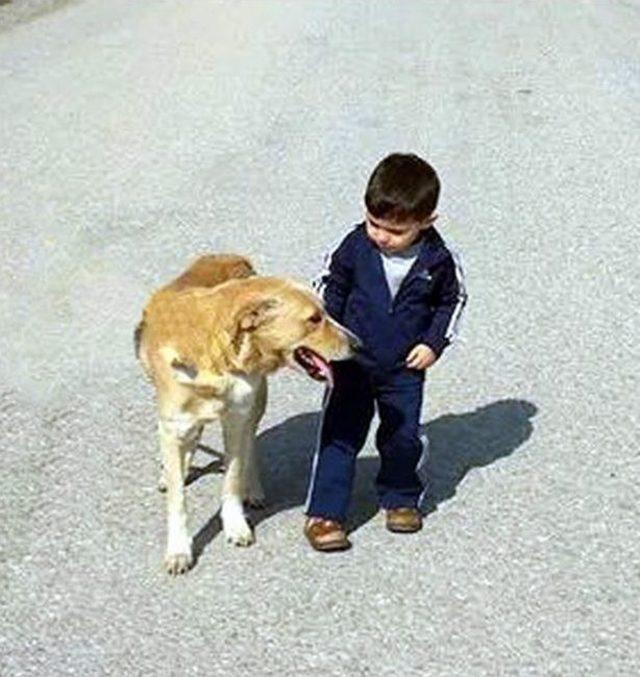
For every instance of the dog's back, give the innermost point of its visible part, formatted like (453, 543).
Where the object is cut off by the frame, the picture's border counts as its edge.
(212, 270)
(207, 271)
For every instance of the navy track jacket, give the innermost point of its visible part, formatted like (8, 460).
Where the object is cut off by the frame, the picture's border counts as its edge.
(426, 308)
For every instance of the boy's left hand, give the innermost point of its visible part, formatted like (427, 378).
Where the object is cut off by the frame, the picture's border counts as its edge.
(421, 357)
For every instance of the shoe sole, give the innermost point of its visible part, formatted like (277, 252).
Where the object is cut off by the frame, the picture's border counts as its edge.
(404, 530)
(336, 546)
(329, 546)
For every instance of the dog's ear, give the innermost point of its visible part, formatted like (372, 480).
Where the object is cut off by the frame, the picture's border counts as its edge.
(256, 314)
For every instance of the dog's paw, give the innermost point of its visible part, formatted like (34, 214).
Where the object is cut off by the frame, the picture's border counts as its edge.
(178, 563)
(234, 523)
(239, 534)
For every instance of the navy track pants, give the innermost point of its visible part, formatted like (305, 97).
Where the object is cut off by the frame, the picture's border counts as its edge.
(347, 413)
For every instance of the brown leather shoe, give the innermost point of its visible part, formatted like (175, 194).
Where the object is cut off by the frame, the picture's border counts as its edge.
(326, 535)
(404, 520)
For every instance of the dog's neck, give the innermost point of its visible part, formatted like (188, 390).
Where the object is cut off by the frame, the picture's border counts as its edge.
(246, 355)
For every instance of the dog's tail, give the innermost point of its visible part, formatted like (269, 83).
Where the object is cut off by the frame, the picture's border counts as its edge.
(137, 338)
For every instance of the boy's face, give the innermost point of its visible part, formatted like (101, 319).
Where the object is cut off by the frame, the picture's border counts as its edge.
(395, 236)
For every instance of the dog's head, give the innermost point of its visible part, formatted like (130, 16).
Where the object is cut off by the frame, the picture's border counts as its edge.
(280, 323)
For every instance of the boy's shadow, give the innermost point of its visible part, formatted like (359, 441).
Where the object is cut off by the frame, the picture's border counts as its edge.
(457, 443)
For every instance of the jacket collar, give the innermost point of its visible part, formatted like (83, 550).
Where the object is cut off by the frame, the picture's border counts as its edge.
(431, 252)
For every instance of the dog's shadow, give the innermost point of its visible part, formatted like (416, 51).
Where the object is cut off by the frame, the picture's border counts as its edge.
(457, 444)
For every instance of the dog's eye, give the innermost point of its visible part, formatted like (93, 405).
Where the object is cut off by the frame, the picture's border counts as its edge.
(316, 318)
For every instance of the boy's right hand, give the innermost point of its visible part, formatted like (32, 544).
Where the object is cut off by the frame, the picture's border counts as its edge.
(421, 357)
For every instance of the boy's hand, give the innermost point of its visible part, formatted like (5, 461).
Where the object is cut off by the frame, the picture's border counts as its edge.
(421, 357)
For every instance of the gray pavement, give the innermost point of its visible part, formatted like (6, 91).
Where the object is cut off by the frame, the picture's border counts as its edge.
(136, 135)
(14, 12)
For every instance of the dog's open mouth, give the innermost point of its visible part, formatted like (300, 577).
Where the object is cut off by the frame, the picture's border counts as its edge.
(315, 365)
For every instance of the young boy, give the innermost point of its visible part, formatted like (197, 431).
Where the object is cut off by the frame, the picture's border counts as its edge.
(393, 282)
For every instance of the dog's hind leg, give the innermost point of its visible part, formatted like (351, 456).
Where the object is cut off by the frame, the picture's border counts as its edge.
(236, 432)
(175, 439)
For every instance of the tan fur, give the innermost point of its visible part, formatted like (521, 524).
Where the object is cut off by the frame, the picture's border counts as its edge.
(211, 270)
(207, 341)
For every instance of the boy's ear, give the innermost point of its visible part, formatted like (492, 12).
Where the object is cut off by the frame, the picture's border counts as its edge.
(256, 314)
(430, 220)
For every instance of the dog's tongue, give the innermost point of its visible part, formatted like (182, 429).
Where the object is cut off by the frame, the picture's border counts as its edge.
(324, 369)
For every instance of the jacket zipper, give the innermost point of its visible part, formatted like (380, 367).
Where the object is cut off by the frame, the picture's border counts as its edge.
(405, 283)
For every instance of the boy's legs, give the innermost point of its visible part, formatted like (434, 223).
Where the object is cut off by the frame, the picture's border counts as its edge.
(398, 440)
(347, 414)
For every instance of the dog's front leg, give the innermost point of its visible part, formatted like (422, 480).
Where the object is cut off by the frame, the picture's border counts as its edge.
(254, 492)
(175, 440)
(234, 522)
(190, 450)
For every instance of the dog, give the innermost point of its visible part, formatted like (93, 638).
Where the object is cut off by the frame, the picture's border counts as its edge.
(207, 341)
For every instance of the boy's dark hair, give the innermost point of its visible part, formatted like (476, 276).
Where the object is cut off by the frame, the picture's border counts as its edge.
(402, 187)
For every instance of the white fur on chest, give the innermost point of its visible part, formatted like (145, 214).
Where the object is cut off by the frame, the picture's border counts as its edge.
(242, 391)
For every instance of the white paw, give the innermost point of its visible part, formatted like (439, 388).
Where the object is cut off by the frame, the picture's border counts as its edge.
(178, 563)
(239, 533)
(234, 523)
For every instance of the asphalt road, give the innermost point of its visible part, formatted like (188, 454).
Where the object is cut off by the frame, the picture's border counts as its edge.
(136, 135)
